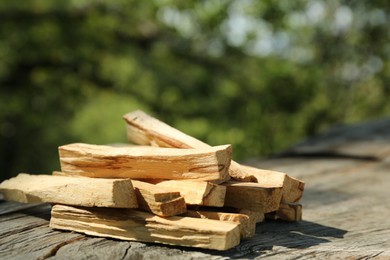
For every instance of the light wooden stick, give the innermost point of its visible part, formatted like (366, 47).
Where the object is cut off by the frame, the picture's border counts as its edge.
(287, 212)
(292, 188)
(146, 162)
(145, 227)
(159, 200)
(143, 129)
(247, 227)
(196, 192)
(254, 216)
(252, 196)
(116, 193)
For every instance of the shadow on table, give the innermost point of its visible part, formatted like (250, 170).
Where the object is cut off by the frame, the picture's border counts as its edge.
(290, 235)
(282, 234)
(269, 234)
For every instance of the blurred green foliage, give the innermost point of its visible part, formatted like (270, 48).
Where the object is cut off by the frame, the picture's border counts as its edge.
(257, 74)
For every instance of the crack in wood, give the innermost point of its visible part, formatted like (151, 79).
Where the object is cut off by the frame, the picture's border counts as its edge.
(126, 251)
(56, 248)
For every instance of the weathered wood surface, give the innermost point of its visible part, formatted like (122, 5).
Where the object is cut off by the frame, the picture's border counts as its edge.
(345, 212)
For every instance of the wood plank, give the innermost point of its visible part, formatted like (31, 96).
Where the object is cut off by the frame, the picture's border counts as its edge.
(252, 196)
(287, 212)
(129, 224)
(159, 200)
(292, 188)
(145, 162)
(247, 227)
(196, 192)
(116, 193)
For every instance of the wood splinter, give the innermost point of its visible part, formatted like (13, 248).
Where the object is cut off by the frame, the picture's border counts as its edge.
(196, 192)
(159, 200)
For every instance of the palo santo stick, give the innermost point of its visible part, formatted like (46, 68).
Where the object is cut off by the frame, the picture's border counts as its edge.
(115, 193)
(254, 216)
(292, 188)
(247, 228)
(252, 196)
(143, 129)
(159, 200)
(145, 227)
(145, 162)
(287, 212)
(196, 192)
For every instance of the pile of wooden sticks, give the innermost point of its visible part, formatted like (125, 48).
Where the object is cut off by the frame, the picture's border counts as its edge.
(167, 187)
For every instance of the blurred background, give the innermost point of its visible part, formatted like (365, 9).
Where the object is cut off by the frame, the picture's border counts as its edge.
(260, 75)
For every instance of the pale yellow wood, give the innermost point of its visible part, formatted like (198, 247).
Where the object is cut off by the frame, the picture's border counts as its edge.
(144, 129)
(196, 192)
(292, 188)
(287, 212)
(145, 162)
(159, 200)
(147, 130)
(252, 196)
(247, 227)
(254, 216)
(116, 193)
(145, 227)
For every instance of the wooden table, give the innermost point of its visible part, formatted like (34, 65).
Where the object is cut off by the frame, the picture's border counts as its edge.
(346, 210)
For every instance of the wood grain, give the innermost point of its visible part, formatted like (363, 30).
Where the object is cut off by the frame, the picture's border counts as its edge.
(252, 196)
(292, 188)
(145, 162)
(115, 193)
(287, 212)
(146, 227)
(247, 227)
(161, 201)
(144, 129)
(196, 192)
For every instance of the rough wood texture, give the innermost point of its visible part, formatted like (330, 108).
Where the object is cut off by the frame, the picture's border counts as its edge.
(146, 227)
(247, 227)
(287, 212)
(252, 196)
(345, 216)
(159, 200)
(196, 192)
(115, 193)
(292, 188)
(143, 129)
(145, 162)
(254, 216)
